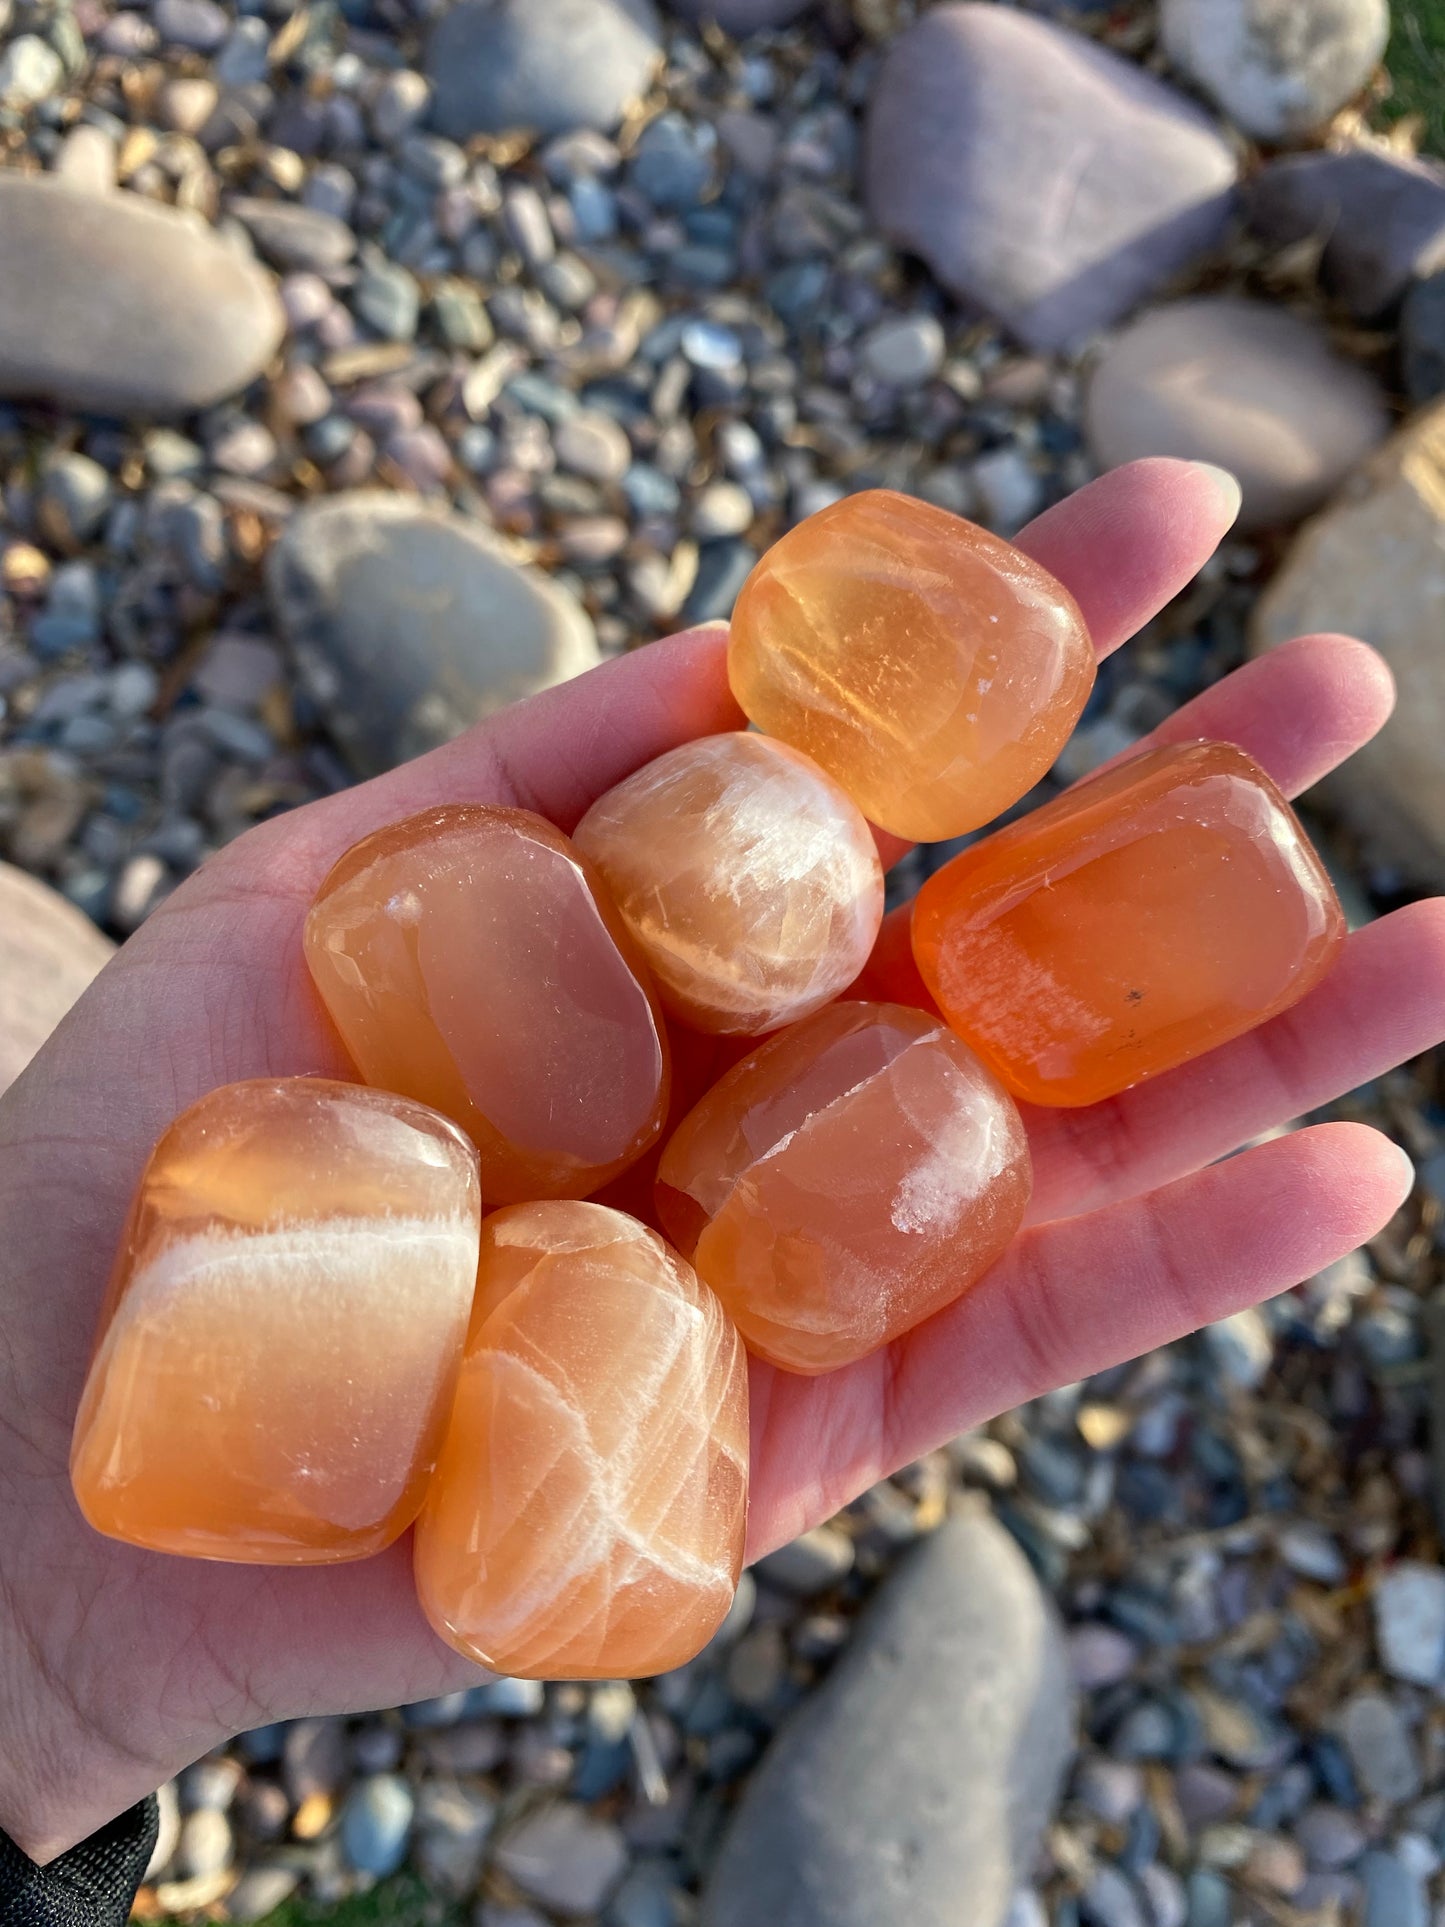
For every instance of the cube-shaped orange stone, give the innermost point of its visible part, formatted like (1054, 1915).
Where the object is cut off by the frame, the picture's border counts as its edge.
(933, 669)
(748, 877)
(851, 1176)
(470, 958)
(284, 1325)
(1146, 916)
(587, 1516)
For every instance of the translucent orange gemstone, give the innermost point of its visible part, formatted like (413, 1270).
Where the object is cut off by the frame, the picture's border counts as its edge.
(1143, 918)
(933, 669)
(470, 958)
(749, 879)
(285, 1320)
(853, 1175)
(586, 1519)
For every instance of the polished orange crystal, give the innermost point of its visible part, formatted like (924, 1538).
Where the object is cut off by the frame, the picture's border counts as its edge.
(284, 1324)
(749, 879)
(856, 1173)
(471, 959)
(933, 669)
(587, 1515)
(1146, 916)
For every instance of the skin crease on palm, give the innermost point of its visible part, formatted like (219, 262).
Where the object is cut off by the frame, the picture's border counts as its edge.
(119, 1666)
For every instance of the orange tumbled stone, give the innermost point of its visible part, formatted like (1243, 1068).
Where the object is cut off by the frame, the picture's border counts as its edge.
(587, 1515)
(283, 1329)
(748, 877)
(470, 958)
(856, 1173)
(935, 670)
(1146, 916)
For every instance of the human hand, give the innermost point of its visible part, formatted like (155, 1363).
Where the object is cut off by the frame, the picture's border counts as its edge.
(119, 1666)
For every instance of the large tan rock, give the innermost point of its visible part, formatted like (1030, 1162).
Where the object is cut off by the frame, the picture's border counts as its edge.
(48, 954)
(1372, 564)
(1250, 387)
(110, 302)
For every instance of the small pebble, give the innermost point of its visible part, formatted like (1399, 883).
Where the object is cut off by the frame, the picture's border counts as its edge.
(722, 508)
(904, 352)
(1409, 1602)
(75, 494)
(1242, 1348)
(564, 1858)
(387, 299)
(1008, 486)
(592, 445)
(198, 24)
(30, 70)
(206, 1845)
(811, 1564)
(376, 1824)
(1110, 1900)
(453, 1824)
(1330, 1836)
(1394, 1895)
(1380, 1747)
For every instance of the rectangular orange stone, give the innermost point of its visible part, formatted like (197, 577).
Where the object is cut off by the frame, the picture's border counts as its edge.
(284, 1327)
(1149, 915)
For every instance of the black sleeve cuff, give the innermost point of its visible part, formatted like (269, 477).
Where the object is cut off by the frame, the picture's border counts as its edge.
(94, 1885)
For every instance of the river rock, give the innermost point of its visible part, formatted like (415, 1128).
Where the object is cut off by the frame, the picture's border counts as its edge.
(408, 625)
(564, 1857)
(742, 16)
(1410, 1621)
(1422, 338)
(810, 1564)
(1381, 1747)
(1041, 176)
(30, 71)
(48, 954)
(1395, 1894)
(292, 236)
(87, 159)
(112, 303)
(1247, 386)
(1373, 564)
(376, 1823)
(912, 1788)
(1380, 219)
(546, 66)
(1278, 68)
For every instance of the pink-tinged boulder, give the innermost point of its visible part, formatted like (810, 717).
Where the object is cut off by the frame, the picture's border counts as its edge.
(1044, 179)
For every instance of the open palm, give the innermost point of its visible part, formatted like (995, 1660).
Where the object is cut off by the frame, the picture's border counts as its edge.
(118, 1666)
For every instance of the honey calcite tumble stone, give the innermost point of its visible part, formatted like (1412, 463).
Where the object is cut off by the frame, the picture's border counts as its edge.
(470, 958)
(935, 670)
(749, 879)
(1143, 918)
(587, 1516)
(283, 1329)
(853, 1175)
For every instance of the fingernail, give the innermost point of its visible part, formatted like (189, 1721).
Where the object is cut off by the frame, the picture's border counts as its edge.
(1406, 1174)
(1225, 484)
